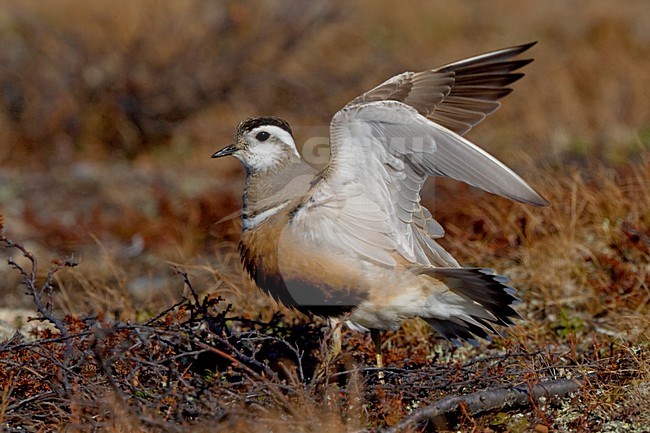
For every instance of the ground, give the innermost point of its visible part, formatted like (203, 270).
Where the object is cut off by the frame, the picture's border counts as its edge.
(147, 321)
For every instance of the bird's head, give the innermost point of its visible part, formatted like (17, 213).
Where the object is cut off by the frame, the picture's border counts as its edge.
(261, 143)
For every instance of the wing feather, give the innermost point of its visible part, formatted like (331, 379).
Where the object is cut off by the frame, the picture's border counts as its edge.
(480, 79)
(386, 142)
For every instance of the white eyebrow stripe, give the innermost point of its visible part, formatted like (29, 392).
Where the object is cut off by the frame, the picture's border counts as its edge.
(250, 222)
(283, 135)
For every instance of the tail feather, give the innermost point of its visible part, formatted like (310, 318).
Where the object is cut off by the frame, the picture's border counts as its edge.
(487, 300)
(457, 332)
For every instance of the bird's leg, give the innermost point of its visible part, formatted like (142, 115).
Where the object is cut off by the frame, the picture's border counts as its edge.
(334, 346)
(335, 342)
(376, 338)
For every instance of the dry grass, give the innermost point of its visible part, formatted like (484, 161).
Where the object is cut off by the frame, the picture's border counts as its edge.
(110, 112)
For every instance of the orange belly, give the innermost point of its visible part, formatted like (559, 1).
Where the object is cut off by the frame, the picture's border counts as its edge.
(298, 274)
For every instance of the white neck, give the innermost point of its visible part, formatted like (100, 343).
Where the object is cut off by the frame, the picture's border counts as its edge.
(251, 222)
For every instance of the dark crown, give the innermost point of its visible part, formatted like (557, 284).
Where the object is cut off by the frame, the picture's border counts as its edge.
(255, 122)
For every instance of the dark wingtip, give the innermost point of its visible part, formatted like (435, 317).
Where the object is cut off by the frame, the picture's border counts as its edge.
(530, 44)
(523, 47)
(518, 64)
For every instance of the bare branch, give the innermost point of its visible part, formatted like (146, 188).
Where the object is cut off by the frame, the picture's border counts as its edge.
(488, 400)
(46, 311)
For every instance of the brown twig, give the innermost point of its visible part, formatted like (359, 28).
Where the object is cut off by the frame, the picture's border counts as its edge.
(29, 281)
(281, 398)
(45, 311)
(188, 283)
(488, 400)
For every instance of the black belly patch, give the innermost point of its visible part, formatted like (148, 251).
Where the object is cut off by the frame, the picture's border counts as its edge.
(313, 299)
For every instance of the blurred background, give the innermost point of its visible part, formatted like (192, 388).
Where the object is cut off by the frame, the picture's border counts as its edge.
(110, 110)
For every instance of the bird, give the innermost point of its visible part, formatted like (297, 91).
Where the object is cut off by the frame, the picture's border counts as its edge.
(352, 242)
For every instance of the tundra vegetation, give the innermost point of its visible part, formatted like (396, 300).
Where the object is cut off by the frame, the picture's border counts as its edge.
(123, 305)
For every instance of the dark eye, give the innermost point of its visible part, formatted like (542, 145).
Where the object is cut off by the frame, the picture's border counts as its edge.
(262, 136)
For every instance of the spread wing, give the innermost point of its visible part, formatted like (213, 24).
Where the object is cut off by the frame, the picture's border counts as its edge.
(385, 143)
(459, 95)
